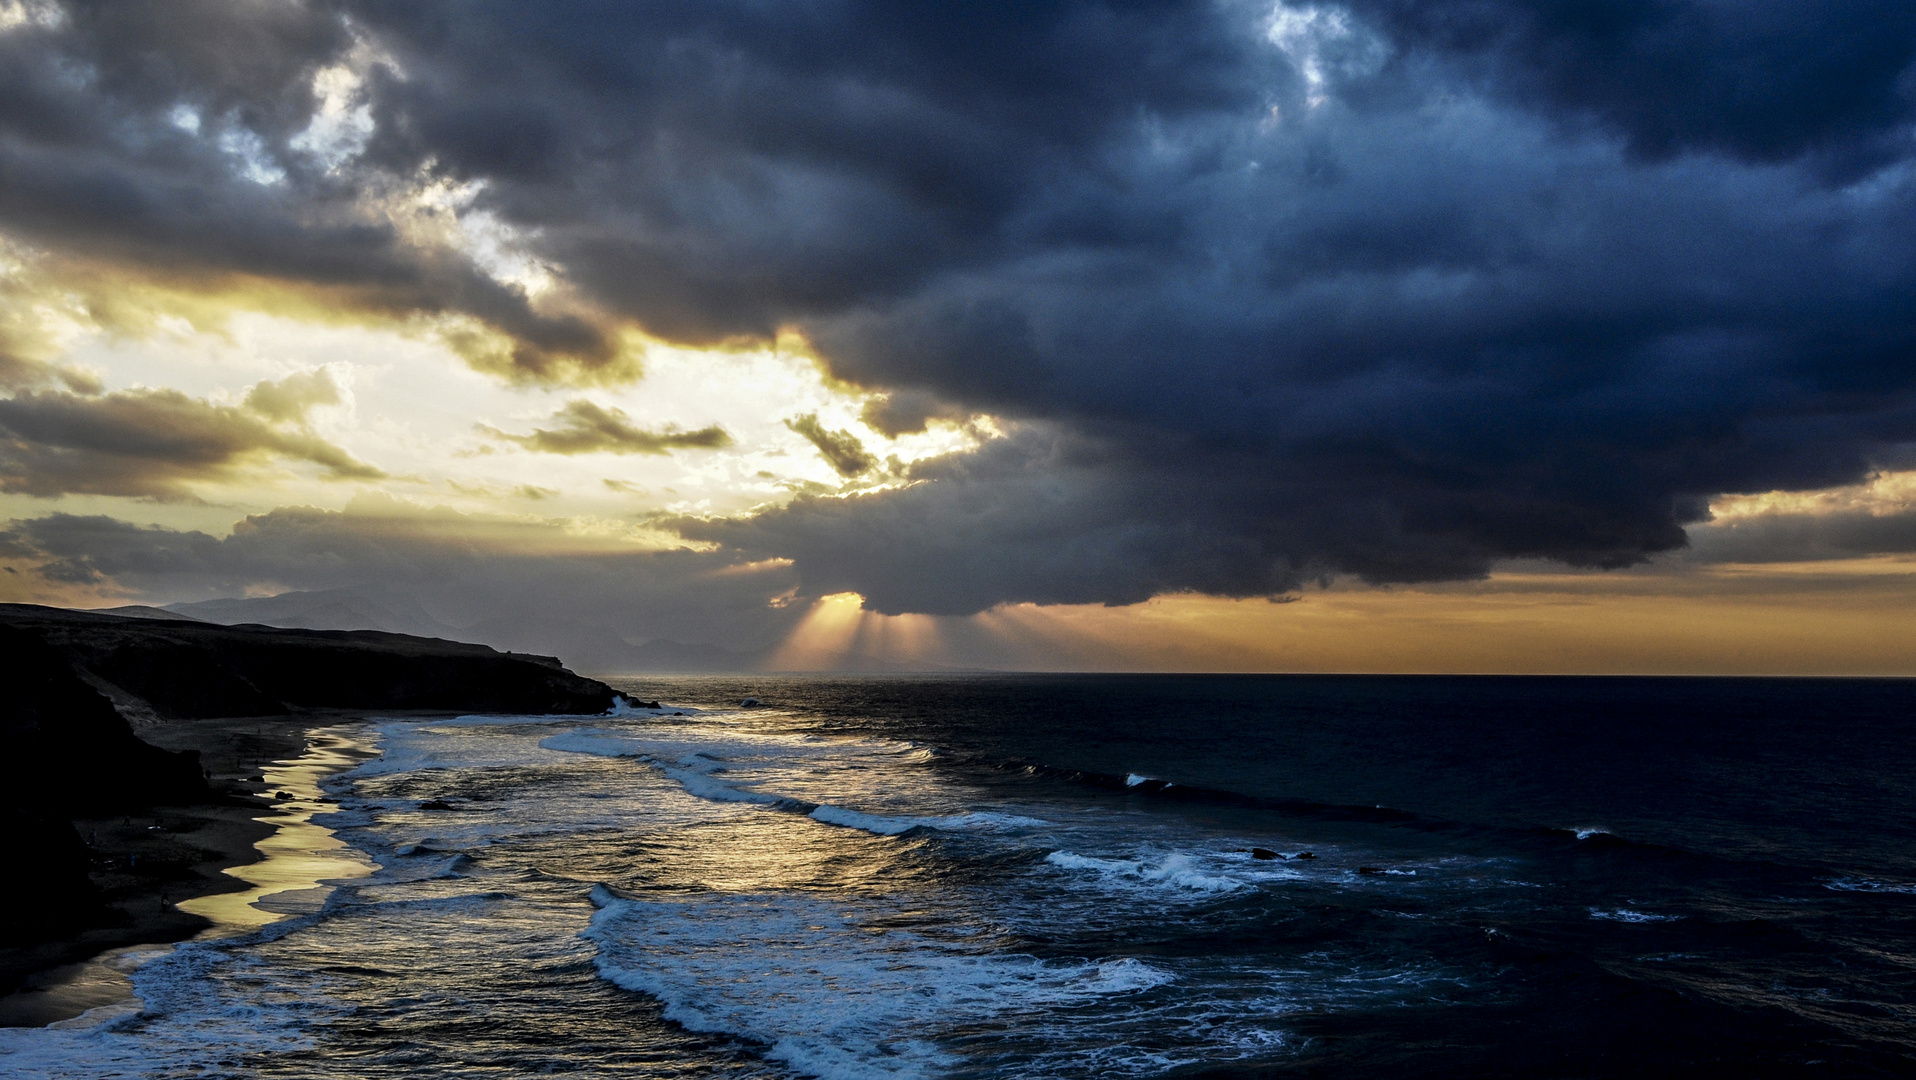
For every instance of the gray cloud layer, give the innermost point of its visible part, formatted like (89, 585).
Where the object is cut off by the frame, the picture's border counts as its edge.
(154, 443)
(840, 448)
(586, 428)
(1396, 288)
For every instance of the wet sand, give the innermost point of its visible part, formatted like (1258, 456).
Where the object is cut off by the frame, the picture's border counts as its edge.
(182, 872)
(299, 854)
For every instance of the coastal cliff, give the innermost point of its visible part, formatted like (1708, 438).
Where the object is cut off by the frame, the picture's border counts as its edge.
(69, 756)
(189, 669)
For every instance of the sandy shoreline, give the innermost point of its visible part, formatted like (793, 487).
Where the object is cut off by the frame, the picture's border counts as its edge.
(165, 873)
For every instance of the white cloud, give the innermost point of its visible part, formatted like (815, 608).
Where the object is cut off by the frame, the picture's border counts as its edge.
(255, 161)
(1324, 43)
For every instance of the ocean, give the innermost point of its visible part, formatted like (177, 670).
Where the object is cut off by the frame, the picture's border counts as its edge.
(1077, 876)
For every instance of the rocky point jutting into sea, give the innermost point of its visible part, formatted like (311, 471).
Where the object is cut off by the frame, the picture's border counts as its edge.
(128, 775)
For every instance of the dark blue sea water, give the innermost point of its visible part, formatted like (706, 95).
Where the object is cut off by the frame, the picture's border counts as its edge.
(1060, 876)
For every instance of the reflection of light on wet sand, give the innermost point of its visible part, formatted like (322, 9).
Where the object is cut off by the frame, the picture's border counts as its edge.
(300, 856)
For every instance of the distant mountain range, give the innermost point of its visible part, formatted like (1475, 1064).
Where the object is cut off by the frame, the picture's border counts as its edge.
(582, 646)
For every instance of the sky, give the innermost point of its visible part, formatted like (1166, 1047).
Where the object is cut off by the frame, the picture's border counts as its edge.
(1397, 335)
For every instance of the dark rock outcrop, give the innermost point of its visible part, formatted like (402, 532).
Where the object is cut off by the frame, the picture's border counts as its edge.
(53, 896)
(66, 751)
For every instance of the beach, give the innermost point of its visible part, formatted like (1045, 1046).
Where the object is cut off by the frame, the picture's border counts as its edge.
(172, 873)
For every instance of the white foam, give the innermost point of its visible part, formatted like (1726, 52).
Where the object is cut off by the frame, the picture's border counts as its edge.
(1866, 885)
(1625, 915)
(1134, 779)
(701, 785)
(690, 765)
(828, 994)
(408, 746)
(1585, 832)
(1177, 870)
(623, 706)
(696, 764)
(893, 825)
(596, 743)
(508, 720)
(184, 1013)
(871, 823)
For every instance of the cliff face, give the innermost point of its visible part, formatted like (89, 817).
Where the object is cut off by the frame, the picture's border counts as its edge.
(191, 669)
(67, 751)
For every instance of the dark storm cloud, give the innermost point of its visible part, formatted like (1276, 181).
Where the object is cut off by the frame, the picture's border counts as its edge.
(154, 443)
(728, 168)
(906, 412)
(1040, 519)
(586, 428)
(1396, 288)
(162, 137)
(1764, 79)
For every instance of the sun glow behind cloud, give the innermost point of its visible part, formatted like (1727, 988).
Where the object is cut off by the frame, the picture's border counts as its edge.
(838, 634)
(442, 431)
(1884, 494)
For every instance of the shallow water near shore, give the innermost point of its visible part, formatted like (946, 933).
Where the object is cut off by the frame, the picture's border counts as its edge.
(1086, 876)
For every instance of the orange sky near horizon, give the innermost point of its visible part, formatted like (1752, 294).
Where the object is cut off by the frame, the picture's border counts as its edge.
(1851, 619)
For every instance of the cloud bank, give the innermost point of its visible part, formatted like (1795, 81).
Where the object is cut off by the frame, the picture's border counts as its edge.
(157, 443)
(1264, 293)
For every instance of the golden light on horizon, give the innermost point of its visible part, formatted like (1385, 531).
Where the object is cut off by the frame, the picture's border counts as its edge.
(838, 632)
(823, 636)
